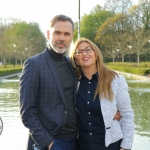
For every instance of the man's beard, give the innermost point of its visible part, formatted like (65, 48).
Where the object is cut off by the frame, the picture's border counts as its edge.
(57, 49)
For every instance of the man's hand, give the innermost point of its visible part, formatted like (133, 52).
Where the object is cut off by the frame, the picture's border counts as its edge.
(50, 145)
(117, 116)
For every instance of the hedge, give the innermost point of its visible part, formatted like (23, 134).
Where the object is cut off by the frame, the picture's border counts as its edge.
(9, 71)
(134, 68)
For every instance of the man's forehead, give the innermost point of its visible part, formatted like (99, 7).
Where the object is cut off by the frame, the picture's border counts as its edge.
(62, 26)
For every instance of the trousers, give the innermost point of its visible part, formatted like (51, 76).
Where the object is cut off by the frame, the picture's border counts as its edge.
(64, 144)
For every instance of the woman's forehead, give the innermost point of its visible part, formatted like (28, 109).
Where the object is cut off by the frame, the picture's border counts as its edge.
(83, 45)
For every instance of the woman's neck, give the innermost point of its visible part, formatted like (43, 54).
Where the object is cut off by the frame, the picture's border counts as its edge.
(88, 72)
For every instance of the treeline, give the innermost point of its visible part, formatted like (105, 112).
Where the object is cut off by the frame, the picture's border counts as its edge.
(120, 29)
(19, 40)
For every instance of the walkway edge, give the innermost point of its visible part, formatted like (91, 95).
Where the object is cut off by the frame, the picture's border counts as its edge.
(10, 76)
(134, 76)
(129, 75)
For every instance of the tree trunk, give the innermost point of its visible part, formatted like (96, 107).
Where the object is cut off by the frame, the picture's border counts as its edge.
(138, 58)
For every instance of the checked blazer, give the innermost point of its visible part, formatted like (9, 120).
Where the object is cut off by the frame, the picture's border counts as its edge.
(42, 104)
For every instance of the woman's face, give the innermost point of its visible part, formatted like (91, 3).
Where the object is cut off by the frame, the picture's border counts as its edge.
(85, 55)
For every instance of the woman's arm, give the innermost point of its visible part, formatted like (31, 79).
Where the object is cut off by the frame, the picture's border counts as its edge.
(126, 112)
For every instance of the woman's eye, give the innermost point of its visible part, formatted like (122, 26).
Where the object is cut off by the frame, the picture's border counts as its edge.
(79, 52)
(88, 49)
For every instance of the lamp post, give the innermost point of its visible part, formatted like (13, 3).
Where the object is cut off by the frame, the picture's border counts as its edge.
(130, 47)
(22, 57)
(79, 20)
(118, 53)
(26, 52)
(113, 55)
(14, 45)
(147, 56)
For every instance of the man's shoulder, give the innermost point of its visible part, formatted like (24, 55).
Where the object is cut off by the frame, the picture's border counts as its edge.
(68, 58)
(36, 56)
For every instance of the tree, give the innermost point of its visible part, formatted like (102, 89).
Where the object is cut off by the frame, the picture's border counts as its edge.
(140, 16)
(90, 23)
(118, 6)
(113, 36)
(5, 24)
(28, 36)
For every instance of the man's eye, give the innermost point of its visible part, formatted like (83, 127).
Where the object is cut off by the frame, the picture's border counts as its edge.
(67, 34)
(57, 33)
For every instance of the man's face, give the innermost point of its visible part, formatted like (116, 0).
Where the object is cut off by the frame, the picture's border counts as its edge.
(60, 36)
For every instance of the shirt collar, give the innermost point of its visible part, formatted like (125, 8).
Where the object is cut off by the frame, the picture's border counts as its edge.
(93, 76)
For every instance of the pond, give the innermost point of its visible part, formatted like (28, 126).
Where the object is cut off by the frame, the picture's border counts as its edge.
(14, 135)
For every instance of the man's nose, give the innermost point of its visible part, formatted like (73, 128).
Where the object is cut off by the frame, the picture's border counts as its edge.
(62, 37)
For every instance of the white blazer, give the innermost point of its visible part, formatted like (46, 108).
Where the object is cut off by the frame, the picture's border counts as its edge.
(123, 129)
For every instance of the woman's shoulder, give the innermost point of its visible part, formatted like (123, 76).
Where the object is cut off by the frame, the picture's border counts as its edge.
(119, 81)
(119, 77)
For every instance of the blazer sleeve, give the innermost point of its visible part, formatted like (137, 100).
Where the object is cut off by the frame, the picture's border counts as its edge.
(126, 112)
(29, 86)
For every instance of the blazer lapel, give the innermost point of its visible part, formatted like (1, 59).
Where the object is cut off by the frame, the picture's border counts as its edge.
(75, 79)
(55, 74)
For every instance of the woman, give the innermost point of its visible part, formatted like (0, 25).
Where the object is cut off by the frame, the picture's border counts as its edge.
(101, 93)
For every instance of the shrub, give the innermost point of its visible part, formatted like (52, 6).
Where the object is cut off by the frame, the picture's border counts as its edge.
(135, 68)
(9, 70)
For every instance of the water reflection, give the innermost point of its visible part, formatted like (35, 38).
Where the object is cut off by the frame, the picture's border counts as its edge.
(140, 96)
(14, 135)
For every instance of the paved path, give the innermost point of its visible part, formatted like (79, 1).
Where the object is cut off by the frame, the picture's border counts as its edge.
(10, 76)
(134, 76)
(129, 75)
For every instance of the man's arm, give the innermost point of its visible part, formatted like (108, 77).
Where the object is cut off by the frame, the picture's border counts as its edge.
(29, 88)
(117, 116)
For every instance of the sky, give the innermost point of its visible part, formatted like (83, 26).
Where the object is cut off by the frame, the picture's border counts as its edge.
(42, 11)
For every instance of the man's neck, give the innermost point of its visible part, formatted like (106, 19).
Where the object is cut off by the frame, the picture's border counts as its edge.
(56, 56)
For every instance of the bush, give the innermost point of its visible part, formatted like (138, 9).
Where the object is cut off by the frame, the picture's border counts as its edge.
(135, 68)
(10, 70)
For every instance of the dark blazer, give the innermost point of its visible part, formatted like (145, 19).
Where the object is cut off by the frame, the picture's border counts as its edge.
(42, 104)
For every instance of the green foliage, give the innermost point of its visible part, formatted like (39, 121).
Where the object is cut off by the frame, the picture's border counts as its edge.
(118, 25)
(135, 68)
(90, 23)
(27, 37)
(10, 70)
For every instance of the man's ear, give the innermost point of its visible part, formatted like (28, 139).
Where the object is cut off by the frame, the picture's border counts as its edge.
(48, 34)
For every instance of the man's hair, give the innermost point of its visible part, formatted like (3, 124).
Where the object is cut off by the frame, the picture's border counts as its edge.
(61, 18)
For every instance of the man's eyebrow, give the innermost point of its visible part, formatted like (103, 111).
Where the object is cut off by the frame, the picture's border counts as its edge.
(67, 33)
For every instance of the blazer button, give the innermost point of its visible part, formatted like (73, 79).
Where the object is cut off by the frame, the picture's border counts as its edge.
(65, 112)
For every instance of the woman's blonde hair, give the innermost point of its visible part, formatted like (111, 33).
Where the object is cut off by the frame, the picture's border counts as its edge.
(105, 75)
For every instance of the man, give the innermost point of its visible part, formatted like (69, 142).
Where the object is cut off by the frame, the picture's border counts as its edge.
(47, 92)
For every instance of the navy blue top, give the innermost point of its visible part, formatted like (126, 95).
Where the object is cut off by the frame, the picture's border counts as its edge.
(92, 128)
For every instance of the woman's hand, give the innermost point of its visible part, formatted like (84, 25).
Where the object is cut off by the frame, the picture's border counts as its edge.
(121, 148)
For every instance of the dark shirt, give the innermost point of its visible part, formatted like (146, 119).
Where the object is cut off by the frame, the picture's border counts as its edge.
(92, 128)
(67, 81)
